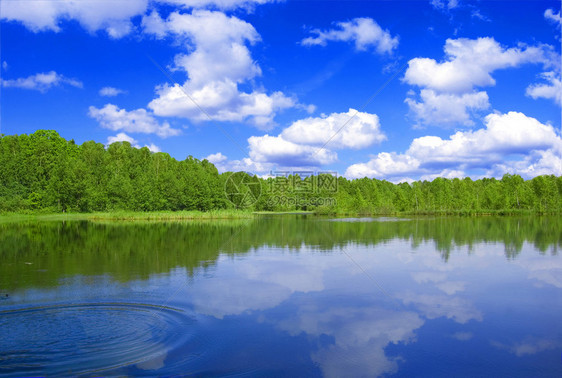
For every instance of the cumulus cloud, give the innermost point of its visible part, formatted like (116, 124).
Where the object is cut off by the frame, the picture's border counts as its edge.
(134, 121)
(110, 91)
(445, 173)
(122, 137)
(153, 148)
(224, 164)
(217, 63)
(220, 101)
(220, 4)
(309, 142)
(447, 88)
(217, 59)
(385, 165)
(547, 162)
(301, 145)
(275, 149)
(41, 82)
(352, 129)
(469, 63)
(505, 135)
(447, 108)
(553, 17)
(365, 33)
(216, 158)
(94, 15)
(91, 15)
(550, 88)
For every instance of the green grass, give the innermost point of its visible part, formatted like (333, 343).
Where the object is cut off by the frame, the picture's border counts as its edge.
(130, 216)
(283, 212)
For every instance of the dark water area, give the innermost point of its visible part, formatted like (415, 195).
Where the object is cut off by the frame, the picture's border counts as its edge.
(283, 296)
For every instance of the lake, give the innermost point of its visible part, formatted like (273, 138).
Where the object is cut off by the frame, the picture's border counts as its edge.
(283, 296)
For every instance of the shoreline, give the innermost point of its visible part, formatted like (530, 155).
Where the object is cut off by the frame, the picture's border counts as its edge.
(242, 214)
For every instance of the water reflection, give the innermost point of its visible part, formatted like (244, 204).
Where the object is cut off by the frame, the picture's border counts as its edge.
(284, 296)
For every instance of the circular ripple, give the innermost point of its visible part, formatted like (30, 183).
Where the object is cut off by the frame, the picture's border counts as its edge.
(89, 338)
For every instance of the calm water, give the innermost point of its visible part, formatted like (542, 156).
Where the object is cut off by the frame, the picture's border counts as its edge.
(283, 296)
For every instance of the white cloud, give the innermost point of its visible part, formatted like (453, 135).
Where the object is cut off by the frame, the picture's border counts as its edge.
(302, 143)
(216, 158)
(353, 129)
(134, 121)
(448, 96)
(153, 148)
(548, 162)
(216, 43)
(364, 32)
(444, 4)
(275, 149)
(110, 91)
(553, 17)
(445, 173)
(447, 108)
(245, 165)
(385, 165)
(5, 65)
(218, 61)
(221, 101)
(91, 14)
(122, 137)
(41, 82)
(505, 135)
(220, 4)
(550, 89)
(469, 63)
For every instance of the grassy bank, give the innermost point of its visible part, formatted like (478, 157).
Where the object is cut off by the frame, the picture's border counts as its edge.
(130, 216)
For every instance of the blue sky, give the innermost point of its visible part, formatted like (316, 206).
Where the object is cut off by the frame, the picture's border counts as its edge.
(396, 90)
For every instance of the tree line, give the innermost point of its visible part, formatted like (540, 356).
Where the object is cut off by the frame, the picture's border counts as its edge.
(44, 172)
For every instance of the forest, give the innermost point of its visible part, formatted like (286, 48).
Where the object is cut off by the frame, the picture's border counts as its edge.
(42, 172)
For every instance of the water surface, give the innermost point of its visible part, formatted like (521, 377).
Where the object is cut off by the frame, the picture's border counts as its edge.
(283, 296)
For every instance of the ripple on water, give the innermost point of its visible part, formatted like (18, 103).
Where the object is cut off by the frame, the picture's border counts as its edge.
(74, 339)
